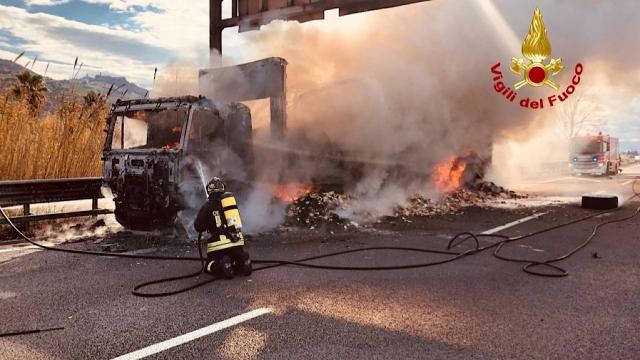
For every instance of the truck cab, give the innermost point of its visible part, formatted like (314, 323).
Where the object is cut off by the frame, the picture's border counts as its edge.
(594, 155)
(152, 147)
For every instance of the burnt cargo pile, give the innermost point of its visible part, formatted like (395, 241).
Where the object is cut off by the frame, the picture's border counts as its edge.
(318, 209)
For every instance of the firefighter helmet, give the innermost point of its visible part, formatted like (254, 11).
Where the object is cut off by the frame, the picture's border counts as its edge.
(215, 186)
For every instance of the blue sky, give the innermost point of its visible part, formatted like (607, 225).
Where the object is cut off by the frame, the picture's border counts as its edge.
(89, 13)
(123, 37)
(132, 37)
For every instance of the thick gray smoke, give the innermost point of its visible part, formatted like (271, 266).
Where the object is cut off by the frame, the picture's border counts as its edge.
(401, 90)
(412, 85)
(395, 92)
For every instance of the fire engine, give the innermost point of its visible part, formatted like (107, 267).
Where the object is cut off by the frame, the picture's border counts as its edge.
(594, 155)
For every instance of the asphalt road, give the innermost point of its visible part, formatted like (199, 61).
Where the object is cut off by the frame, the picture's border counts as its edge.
(477, 307)
(574, 186)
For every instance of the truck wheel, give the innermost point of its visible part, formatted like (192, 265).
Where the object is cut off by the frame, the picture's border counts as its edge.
(140, 223)
(132, 222)
(600, 202)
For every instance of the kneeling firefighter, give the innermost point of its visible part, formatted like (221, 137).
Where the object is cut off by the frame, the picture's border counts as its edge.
(220, 217)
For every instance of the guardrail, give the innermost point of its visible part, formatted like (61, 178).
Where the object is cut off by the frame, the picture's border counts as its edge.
(28, 192)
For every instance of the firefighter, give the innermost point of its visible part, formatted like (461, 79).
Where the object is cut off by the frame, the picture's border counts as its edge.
(219, 217)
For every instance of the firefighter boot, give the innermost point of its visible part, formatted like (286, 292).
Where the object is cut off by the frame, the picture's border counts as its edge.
(221, 267)
(242, 264)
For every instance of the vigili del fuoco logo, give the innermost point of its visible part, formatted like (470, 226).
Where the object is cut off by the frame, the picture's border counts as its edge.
(534, 71)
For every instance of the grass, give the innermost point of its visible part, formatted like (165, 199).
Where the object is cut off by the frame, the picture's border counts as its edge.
(64, 143)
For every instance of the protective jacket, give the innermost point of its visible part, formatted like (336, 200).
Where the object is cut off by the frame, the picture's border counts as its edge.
(213, 218)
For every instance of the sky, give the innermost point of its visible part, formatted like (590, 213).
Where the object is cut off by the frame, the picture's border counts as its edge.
(132, 37)
(123, 37)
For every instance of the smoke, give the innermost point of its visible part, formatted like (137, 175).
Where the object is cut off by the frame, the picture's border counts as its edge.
(178, 78)
(400, 90)
(260, 211)
(598, 35)
(395, 92)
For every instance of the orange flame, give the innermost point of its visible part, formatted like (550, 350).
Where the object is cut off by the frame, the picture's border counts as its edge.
(447, 176)
(291, 192)
(172, 146)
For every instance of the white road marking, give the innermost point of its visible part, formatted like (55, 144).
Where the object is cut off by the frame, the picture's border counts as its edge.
(530, 247)
(628, 182)
(513, 223)
(196, 334)
(23, 248)
(11, 248)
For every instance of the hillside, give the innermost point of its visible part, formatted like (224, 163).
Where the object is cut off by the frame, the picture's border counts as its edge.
(81, 86)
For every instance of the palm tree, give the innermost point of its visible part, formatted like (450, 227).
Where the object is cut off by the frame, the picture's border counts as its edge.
(31, 87)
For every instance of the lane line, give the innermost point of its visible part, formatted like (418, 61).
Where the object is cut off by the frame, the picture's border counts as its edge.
(196, 334)
(530, 247)
(513, 223)
(628, 182)
(18, 249)
(11, 248)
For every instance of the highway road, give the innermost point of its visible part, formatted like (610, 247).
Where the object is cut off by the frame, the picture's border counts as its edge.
(575, 186)
(477, 307)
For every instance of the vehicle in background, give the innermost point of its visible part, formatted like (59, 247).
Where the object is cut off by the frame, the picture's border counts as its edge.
(151, 151)
(594, 155)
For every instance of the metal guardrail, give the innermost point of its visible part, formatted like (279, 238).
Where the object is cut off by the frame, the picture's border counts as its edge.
(28, 192)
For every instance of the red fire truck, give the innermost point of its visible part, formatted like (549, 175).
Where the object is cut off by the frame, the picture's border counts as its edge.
(594, 155)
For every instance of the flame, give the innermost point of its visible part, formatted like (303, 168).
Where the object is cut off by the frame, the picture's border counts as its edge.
(173, 146)
(291, 192)
(536, 46)
(447, 176)
(139, 115)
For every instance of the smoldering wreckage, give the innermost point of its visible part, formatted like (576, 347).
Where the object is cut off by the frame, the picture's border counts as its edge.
(323, 172)
(160, 152)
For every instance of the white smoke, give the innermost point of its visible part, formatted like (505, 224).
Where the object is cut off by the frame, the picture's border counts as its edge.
(409, 87)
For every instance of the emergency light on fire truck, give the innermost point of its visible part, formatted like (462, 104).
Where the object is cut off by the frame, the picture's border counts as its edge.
(594, 155)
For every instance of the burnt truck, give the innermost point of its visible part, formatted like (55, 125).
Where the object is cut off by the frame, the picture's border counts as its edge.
(594, 155)
(152, 151)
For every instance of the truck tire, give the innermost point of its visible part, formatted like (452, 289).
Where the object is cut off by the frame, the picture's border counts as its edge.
(140, 223)
(132, 223)
(599, 202)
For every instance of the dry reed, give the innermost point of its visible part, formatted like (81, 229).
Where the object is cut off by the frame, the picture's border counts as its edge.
(67, 142)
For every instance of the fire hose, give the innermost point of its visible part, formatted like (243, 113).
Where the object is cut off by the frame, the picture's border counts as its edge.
(528, 267)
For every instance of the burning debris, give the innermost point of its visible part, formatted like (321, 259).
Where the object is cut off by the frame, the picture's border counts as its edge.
(288, 193)
(455, 201)
(458, 182)
(325, 208)
(448, 176)
(317, 208)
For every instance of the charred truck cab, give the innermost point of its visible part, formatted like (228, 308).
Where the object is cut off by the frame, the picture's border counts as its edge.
(150, 149)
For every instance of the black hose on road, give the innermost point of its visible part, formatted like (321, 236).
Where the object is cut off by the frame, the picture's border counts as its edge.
(455, 241)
